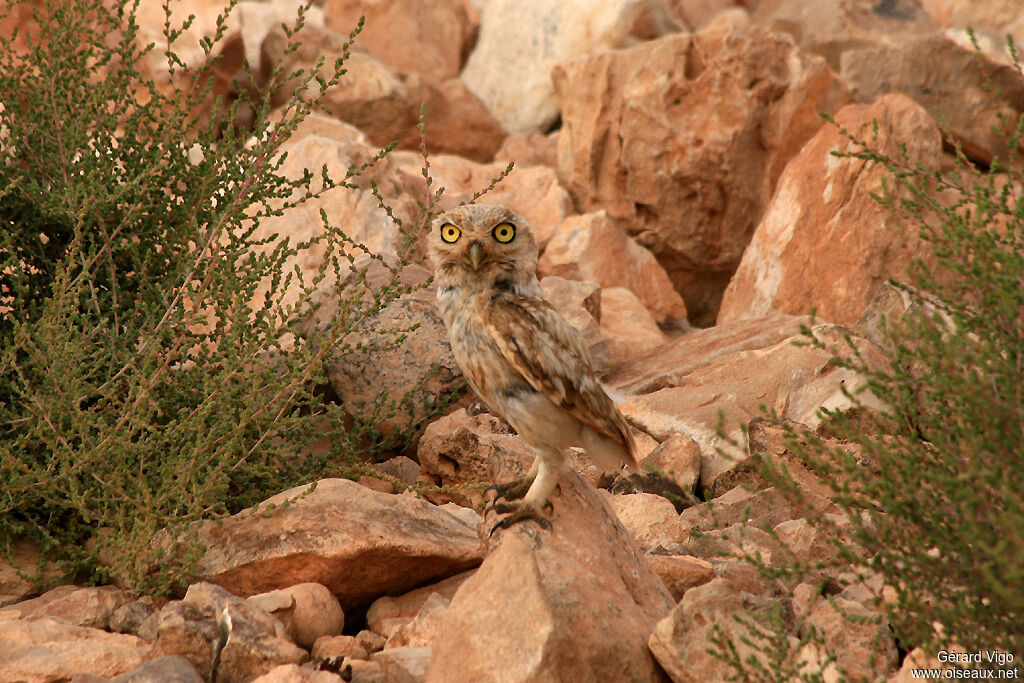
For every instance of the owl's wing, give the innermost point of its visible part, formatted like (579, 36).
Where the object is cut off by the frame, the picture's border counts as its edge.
(551, 356)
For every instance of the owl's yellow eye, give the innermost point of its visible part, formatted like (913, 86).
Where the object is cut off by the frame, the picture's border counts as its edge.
(449, 233)
(504, 232)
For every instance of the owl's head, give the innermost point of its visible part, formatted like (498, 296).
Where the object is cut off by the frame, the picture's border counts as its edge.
(483, 243)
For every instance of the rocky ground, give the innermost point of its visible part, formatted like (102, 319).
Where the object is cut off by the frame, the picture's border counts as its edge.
(671, 160)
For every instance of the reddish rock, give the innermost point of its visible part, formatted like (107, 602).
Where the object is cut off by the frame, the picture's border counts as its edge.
(860, 640)
(80, 606)
(824, 243)
(428, 37)
(519, 42)
(209, 617)
(293, 673)
(680, 573)
(540, 605)
(682, 140)
(590, 247)
(421, 630)
(651, 519)
(682, 642)
(529, 150)
(16, 572)
(698, 13)
(627, 327)
(334, 649)
(880, 48)
(404, 664)
(795, 381)
(357, 542)
(44, 649)
(308, 611)
(460, 448)
(407, 606)
(671, 469)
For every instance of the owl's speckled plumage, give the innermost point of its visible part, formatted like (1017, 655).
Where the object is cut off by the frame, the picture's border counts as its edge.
(519, 355)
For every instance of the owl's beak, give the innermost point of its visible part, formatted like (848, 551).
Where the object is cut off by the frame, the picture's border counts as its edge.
(476, 254)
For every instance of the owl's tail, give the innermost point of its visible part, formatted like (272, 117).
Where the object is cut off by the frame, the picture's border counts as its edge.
(607, 453)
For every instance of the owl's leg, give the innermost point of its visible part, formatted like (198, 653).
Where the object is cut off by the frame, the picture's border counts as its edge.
(535, 502)
(517, 488)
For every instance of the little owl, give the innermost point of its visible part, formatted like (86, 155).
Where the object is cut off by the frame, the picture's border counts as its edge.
(519, 355)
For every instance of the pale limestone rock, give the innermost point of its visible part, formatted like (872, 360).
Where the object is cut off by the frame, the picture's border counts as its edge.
(682, 139)
(92, 606)
(540, 605)
(671, 469)
(409, 605)
(293, 673)
(824, 243)
(359, 543)
(519, 42)
(590, 247)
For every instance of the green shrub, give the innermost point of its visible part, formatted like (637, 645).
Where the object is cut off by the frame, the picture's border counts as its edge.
(930, 485)
(141, 385)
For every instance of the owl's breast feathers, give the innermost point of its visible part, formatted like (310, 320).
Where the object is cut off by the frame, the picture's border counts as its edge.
(550, 355)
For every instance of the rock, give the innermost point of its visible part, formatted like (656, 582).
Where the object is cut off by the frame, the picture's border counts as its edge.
(795, 381)
(17, 568)
(320, 141)
(764, 509)
(356, 542)
(651, 519)
(672, 470)
(940, 75)
(404, 664)
(421, 630)
(698, 13)
(682, 640)
(428, 37)
(880, 48)
(336, 648)
(367, 672)
(407, 606)
(170, 669)
(680, 573)
(308, 611)
(371, 641)
(519, 42)
(682, 140)
(529, 150)
(539, 606)
(580, 304)
(460, 448)
(590, 247)
(627, 327)
(918, 658)
(256, 20)
(293, 673)
(80, 606)
(43, 649)
(665, 366)
(384, 104)
(824, 243)
(410, 377)
(533, 192)
(128, 618)
(859, 639)
(405, 470)
(206, 617)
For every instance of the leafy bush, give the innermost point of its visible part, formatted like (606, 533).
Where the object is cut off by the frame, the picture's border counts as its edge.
(929, 485)
(142, 383)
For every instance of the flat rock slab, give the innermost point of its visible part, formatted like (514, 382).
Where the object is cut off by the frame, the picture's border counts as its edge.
(574, 603)
(359, 543)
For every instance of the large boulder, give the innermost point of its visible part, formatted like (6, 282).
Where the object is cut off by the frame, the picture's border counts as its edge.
(824, 242)
(682, 140)
(359, 543)
(574, 603)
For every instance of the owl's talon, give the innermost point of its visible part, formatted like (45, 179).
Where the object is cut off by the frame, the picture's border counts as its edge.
(520, 512)
(513, 490)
